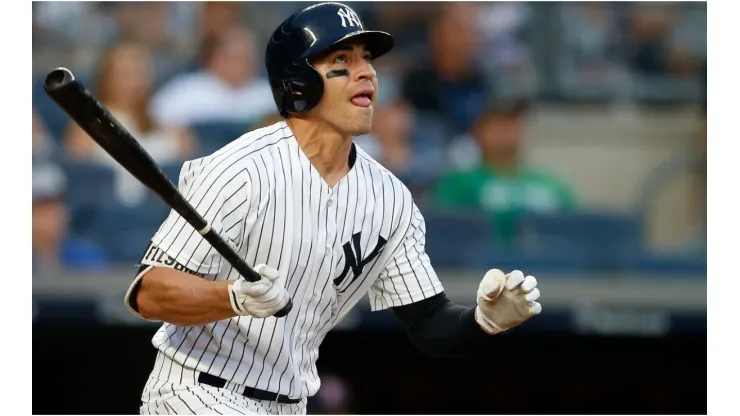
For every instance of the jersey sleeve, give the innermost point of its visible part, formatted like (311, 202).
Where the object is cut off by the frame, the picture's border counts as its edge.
(408, 276)
(219, 194)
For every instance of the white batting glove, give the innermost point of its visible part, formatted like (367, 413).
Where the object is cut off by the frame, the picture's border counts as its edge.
(259, 299)
(506, 300)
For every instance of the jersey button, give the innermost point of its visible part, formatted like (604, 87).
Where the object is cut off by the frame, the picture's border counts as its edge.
(328, 204)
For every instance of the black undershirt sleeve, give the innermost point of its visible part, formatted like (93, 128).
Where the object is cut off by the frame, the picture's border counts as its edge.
(442, 329)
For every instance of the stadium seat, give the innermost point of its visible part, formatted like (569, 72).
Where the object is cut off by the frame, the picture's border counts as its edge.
(451, 233)
(546, 259)
(172, 172)
(215, 135)
(611, 241)
(124, 231)
(672, 265)
(88, 185)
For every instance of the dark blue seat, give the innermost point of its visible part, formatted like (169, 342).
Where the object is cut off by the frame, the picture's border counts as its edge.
(215, 135)
(172, 172)
(610, 241)
(451, 233)
(546, 259)
(124, 231)
(88, 186)
(672, 264)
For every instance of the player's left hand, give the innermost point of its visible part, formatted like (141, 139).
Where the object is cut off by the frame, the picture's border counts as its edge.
(506, 300)
(259, 299)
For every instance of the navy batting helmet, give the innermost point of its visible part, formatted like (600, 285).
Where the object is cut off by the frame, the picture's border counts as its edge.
(296, 85)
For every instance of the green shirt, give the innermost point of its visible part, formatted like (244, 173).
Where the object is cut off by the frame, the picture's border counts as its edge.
(503, 196)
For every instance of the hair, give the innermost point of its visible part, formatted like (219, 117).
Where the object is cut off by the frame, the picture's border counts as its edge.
(103, 80)
(210, 45)
(207, 48)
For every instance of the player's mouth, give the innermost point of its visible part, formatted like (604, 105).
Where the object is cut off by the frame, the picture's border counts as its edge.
(363, 98)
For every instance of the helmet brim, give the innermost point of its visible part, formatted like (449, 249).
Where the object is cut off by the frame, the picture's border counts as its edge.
(378, 43)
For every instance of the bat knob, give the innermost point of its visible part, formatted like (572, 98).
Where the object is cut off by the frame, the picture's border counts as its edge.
(58, 78)
(285, 310)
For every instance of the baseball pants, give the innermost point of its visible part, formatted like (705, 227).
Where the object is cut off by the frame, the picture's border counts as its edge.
(183, 395)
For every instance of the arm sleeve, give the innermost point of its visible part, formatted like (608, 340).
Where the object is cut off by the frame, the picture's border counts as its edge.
(442, 329)
(408, 276)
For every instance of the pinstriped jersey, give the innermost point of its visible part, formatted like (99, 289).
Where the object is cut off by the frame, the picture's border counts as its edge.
(331, 245)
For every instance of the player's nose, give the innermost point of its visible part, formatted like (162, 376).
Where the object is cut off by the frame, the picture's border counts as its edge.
(364, 71)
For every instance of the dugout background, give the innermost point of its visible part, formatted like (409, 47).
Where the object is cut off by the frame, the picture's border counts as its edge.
(84, 369)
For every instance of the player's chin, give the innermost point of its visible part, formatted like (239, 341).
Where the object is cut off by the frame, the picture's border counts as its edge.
(361, 122)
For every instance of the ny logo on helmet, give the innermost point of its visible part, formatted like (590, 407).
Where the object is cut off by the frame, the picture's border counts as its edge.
(349, 17)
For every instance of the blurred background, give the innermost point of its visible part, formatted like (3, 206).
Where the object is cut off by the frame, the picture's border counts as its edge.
(564, 139)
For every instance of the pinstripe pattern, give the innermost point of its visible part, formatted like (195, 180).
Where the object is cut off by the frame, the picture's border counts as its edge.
(262, 194)
(188, 397)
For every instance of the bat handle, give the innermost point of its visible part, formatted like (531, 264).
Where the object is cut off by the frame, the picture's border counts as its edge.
(240, 266)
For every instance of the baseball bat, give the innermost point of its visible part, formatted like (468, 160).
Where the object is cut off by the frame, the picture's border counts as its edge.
(85, 110)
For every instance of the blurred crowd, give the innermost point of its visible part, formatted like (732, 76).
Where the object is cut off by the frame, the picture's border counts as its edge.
(186, 78)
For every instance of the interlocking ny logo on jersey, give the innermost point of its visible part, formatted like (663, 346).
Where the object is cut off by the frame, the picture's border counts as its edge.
(352, 256)
(349, 17)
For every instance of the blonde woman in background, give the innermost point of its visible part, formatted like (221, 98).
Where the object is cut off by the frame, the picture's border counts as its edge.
(124, 82)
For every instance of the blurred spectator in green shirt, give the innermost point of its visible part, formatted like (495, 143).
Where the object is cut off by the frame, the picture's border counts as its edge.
(500, 184)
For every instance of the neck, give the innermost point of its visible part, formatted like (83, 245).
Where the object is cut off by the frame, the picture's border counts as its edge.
(231, 83)
(327, 149)
(450, 69)
(121, 107)
(503, 162)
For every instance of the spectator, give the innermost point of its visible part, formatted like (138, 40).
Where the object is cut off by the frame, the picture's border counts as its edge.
(123, 85)
(450, 85)
(408, 145)
(506, 54)
(154, 25)
(588, 66)
(124, 80)
(53, 248)
(43, 144)
(652, 52)
(500, 184)
(227, 89)
(216, 18)
(589, 34)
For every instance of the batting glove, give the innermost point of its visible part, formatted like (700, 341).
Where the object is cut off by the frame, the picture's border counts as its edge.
(506, 300)
(260, 299)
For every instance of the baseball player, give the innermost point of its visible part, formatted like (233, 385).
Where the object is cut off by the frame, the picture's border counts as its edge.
(322, 223)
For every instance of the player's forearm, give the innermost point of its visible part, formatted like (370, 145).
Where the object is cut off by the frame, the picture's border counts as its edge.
(182, 299)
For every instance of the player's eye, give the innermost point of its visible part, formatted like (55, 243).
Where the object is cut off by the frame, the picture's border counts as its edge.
(340, 59)
(368, 57)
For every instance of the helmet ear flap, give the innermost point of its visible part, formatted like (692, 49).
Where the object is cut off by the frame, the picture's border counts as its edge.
(302, 94)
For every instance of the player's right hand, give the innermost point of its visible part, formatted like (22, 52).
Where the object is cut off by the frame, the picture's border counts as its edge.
(259, 299)
(506, 300)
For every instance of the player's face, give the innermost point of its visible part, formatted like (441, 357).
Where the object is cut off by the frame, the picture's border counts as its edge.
(350, 89)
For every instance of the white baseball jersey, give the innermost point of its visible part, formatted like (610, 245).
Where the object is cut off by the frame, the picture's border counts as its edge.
(331, 245)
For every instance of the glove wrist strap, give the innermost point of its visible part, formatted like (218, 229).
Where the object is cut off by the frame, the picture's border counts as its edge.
(485, 323)
(235, 304)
